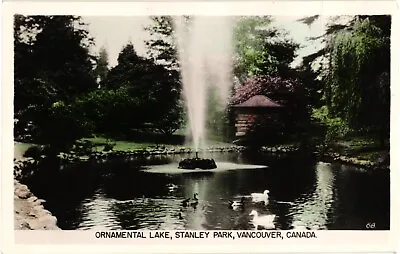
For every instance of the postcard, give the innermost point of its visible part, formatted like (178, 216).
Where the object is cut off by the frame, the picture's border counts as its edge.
(183, 127)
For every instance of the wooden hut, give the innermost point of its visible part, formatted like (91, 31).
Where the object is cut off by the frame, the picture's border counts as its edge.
(256, 108)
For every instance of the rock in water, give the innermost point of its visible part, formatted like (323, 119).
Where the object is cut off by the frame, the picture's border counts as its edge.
(197, 163)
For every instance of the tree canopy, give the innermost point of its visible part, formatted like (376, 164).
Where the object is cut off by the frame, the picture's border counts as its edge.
(65, 91)
(162, 48)
(358, 81)
(356, 77)
(52, 65)
(354, 71)
(262, 49)
(151, 85)
(55, 57)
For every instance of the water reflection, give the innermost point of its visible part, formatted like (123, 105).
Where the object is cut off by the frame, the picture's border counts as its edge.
(95, 218)
(303, 194)
(312, 210)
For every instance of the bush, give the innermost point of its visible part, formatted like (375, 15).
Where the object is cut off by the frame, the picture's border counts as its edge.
(61, 125)
(34, 152)
(108, 147)
(335, 126)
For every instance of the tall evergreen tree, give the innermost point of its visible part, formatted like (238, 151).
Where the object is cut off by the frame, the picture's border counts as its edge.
(151, 86)
(161, 47)
(101, 69)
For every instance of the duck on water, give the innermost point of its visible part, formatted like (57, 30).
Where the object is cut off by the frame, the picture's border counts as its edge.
(236, 204)
(185, 202)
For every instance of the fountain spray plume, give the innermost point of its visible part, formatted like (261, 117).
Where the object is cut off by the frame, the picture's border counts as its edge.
(205, 57)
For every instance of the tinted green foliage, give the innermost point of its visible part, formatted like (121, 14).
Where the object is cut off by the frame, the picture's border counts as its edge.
(56, 91)
(356, 80)
(52, 66)
(153, 90)
(109, 110)
(261, 49)
(64, 124)
(54, 59)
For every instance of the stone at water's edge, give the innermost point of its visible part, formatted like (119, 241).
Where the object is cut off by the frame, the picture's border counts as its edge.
(29, 212)
(197, 163)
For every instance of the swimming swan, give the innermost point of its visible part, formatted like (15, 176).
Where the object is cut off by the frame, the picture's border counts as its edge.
(266, 221)
(298, 225)
(260, 197)
(172, 187)
(264, 194)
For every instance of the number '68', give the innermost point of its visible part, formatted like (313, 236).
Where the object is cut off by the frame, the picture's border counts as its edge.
(370, 225)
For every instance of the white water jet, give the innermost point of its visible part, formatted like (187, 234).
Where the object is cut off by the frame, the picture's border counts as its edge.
(205, 57)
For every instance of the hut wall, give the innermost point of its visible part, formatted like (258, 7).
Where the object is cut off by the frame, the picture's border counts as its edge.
(243, 122)
(246, 118)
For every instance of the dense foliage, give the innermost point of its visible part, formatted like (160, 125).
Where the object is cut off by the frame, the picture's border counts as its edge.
(154, 89)
(276, 88)
(52, 66)
(63, 92)
(52, 55)
(262, 49)
(356, 78)
(358, 82)
(57, 96)
(162, 48)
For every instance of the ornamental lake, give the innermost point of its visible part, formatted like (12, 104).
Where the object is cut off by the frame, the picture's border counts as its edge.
(303, 193)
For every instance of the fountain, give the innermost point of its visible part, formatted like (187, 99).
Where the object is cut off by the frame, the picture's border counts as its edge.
(193, 163)
(204, 47)
(205, 56)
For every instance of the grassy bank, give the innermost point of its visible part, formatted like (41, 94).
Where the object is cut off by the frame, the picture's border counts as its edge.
(365, 151)
(99, 143)
(361, 147)
(20, 148)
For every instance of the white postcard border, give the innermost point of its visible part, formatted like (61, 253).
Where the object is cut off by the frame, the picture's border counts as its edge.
(371, 241)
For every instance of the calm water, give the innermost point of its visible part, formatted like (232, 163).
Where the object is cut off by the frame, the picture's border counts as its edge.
(303, 192)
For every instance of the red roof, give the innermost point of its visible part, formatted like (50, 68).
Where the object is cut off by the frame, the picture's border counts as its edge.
(258, 101)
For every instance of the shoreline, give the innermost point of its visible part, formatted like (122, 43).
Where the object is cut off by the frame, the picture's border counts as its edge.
(29, 213)
(94, 156)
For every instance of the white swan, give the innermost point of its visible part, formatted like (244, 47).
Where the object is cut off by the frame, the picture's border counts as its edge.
(172, 187)
(266, 221)
(260, 197)
(264, 194)
(298, 225)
